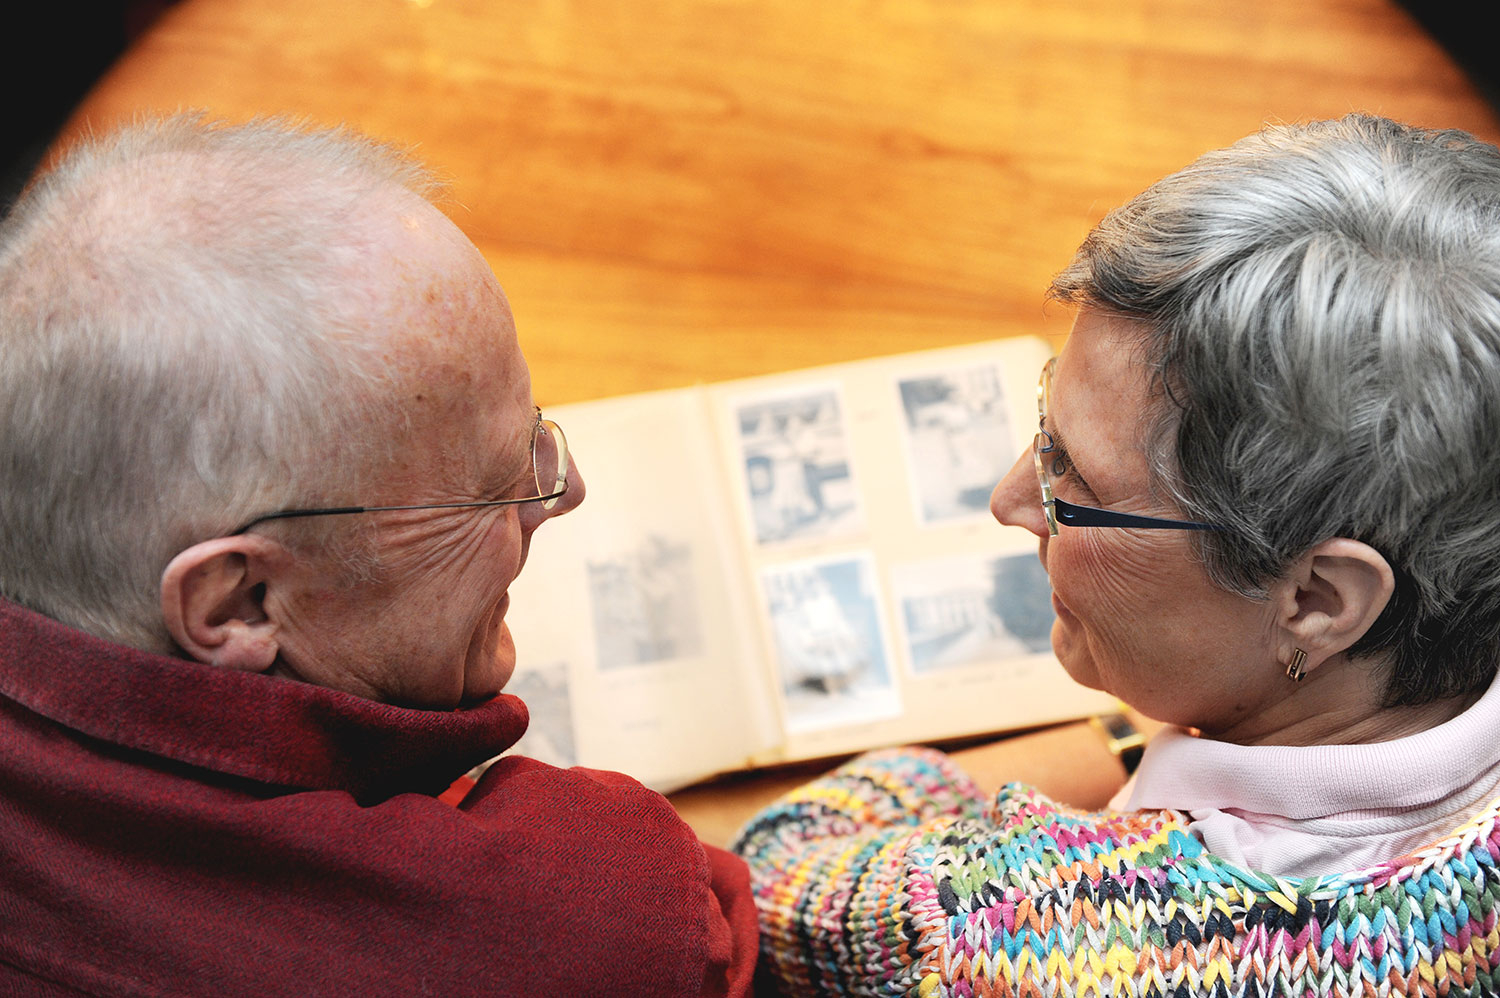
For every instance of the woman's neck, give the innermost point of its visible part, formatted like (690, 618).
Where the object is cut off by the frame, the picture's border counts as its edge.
(1341, 703)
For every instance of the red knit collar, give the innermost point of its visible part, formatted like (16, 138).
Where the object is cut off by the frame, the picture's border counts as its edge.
(263, 728)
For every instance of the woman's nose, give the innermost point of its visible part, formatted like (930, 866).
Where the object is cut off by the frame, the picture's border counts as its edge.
(1017, 499)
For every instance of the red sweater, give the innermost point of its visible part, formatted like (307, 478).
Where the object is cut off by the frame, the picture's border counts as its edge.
(173, 828)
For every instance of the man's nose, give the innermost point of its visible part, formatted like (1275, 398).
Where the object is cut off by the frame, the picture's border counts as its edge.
(535, 514)
(1017, 499)
(570, 499)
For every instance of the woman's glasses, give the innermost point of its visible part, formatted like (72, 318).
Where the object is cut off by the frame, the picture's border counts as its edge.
(1059, 511)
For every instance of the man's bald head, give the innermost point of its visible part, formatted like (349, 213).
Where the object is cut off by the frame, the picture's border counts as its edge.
(184, 311)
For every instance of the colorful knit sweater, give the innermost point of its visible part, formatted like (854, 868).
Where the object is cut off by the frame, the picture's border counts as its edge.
(893, 876)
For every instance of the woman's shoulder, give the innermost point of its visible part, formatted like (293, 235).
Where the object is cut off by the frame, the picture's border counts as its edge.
(1063, 887)
(1022, 888)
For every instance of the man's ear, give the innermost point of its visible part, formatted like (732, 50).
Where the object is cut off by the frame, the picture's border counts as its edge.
(213, 601)
(1330, 597)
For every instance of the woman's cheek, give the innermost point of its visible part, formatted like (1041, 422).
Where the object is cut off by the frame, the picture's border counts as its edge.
(1077, 562)
(1109, 577)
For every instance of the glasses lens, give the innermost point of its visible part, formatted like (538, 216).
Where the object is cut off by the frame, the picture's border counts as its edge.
(549, 456)
(1042, 442)
(1044, 483)
(1044, 393)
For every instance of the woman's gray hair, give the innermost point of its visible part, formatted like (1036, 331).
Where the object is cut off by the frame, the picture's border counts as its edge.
(180, 351)
(1321, 308)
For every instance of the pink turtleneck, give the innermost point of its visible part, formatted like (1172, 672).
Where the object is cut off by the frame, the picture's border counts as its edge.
(1304, 810)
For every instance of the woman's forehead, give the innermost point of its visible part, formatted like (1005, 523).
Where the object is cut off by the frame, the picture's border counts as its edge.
(1100, 388)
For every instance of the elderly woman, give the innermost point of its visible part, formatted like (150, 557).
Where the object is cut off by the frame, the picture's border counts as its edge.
(1267, 493)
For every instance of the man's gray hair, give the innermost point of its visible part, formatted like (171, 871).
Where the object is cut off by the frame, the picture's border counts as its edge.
(1321, 306)
(181, 352)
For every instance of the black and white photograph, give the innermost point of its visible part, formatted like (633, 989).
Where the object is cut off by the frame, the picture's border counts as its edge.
(973, 610)
(958, 440)
(645, 605)
(826, 622)
(549, 736)
(796, 463)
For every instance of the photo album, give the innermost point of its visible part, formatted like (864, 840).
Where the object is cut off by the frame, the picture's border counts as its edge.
(791, 567)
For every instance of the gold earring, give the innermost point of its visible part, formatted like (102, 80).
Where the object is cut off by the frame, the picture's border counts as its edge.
(1294, 667)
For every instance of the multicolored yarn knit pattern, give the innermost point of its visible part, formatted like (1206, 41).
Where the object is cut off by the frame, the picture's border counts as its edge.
(892, 876)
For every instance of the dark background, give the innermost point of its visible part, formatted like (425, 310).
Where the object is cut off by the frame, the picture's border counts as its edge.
(52, 62)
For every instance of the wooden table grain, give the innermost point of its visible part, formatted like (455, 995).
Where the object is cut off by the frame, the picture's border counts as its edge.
(674, 191)
(682, 190)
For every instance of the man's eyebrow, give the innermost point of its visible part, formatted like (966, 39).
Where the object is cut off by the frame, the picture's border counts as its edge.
(516, 463)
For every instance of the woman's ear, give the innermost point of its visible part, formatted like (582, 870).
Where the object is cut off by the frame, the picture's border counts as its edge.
(1330, 597)
(213, 601)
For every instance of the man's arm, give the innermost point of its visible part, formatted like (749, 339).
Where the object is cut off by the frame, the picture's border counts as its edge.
(619, 895)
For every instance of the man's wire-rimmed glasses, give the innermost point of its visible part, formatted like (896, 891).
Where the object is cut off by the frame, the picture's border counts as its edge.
(1059, 511)
(549, 467)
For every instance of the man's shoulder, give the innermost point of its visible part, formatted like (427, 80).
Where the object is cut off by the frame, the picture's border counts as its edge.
(548, 880)
(604, 813)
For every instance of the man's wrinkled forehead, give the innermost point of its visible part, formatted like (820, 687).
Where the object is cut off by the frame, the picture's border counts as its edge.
(416, 278)
(448, 337)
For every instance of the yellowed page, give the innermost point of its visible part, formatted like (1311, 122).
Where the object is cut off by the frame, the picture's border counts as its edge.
(636, 645)
(789, 567)
(892, 607)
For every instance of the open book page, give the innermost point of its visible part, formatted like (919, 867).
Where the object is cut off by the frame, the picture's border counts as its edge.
(635, 646)
(893, 606)
(789, 567)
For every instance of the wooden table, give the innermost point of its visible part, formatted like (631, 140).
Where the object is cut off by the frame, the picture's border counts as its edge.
(684, 190)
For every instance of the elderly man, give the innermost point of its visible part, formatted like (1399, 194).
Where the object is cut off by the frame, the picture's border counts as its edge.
(269, 462)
